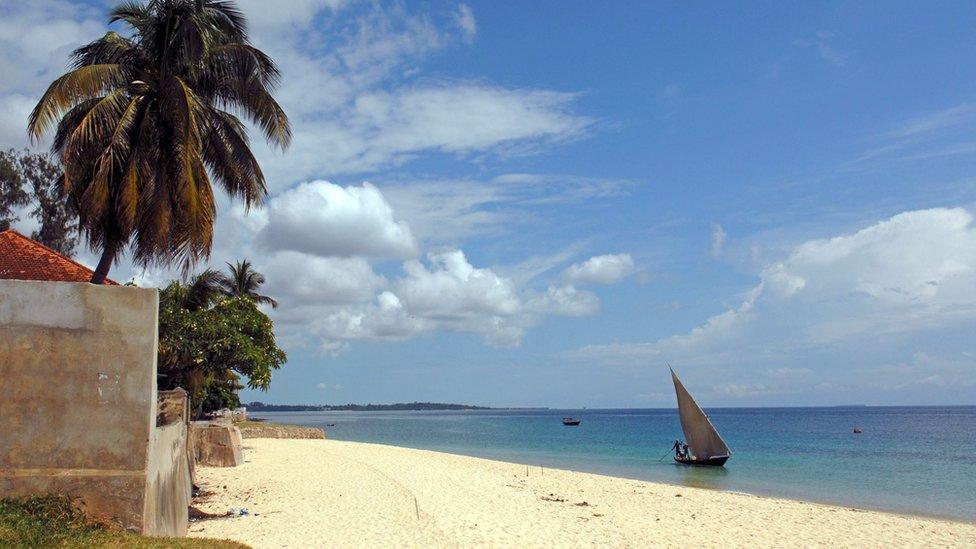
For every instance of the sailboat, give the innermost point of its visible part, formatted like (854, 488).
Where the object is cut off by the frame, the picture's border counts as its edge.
(705, 445)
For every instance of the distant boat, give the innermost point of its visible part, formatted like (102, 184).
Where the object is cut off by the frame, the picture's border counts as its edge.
(705, 445)
(857, 431)
(571, 421)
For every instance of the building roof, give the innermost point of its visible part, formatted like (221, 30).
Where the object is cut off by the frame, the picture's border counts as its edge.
(24, 259)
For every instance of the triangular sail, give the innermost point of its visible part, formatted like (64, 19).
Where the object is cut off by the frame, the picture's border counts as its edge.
(700, 435)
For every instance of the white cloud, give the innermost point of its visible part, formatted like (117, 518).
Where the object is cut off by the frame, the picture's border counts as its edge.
(300, 279)
(447, 293)
(565, 300)
(14, 110)
(359, 101)
(325, 219)
(719, 236)
(870, 290)
(933, 135)
(453, 289)
(385, 319)
(934, 122)
(444, 211)
(601, 269)
(297, 14)
(352, 84)
(456, 118)
(465, 20)
(35, 40)
(355, 90)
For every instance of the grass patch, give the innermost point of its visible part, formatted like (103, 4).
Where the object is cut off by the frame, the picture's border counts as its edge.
(52, 521)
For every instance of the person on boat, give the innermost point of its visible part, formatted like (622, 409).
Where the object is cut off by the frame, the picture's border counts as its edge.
(684, 450)
(677, 449)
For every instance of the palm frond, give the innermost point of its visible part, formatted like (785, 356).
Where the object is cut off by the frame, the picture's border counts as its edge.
(112, 48)
(78, 85)
(254, 101)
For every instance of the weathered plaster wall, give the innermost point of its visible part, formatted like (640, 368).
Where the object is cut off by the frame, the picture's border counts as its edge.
(168, 484)
(78, 395)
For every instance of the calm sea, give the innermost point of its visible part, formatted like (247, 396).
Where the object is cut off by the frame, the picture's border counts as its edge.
(919, 460)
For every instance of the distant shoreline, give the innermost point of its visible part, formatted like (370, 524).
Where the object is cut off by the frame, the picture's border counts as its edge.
(435, 406)
(397, 407)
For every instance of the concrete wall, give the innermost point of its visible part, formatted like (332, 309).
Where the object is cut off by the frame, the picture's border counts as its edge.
(78, 396)
(168, 483)
(216, 443)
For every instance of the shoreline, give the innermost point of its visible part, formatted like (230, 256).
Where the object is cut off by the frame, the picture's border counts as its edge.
(852, 507)
(358, 494)
(821, 462)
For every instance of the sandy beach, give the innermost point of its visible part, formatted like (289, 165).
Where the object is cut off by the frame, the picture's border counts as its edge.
(304, 493)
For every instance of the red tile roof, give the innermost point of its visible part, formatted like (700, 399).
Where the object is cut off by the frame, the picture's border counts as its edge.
(24, 259)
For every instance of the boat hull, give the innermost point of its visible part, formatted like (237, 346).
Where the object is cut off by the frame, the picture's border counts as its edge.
(716, 461)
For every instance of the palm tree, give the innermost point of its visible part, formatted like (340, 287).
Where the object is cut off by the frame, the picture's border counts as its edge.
(202, 290)
(145, 122)
(244, 281)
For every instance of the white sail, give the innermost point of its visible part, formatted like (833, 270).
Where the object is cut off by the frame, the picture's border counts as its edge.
(700, 435)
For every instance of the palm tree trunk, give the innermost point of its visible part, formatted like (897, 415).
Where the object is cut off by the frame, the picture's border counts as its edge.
(105, 263)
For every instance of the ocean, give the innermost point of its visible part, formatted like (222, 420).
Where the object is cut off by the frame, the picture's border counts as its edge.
(916, 460)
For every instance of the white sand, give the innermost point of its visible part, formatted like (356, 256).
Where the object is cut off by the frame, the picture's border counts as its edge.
(324, 493)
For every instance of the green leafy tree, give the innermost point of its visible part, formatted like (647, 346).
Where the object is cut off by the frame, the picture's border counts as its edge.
(58, 224)
(12, 194)
(145, 122)
(243, 281)
(207, 345)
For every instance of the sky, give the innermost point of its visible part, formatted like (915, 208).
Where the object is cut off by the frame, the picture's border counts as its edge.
(544, 203)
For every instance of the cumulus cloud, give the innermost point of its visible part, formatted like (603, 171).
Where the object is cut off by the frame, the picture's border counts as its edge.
(301, 279)
(447, 292)
(325, 219)
(452, 288)
(359, 101)
(565, 300)
(385, 319)
(601, 269)
(878, 290)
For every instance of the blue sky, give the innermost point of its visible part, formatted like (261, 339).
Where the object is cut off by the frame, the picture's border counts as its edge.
(510, 203)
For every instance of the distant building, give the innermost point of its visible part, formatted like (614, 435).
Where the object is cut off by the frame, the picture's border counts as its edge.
(24, 259)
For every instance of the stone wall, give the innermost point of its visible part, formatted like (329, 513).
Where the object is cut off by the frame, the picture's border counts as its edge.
(78, 401)
(275, 430)
(216, 443)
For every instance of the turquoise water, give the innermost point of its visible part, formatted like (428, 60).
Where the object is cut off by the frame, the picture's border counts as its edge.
(919, 460)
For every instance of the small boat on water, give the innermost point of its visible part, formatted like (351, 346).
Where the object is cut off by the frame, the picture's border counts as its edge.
(705, 445)
(571, 421)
